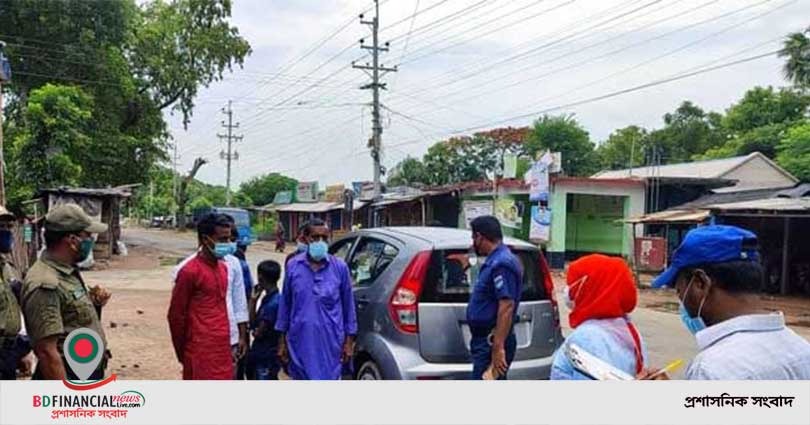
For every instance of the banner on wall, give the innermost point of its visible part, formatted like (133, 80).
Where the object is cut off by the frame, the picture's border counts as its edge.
(509, 213)
(540, 229)
(537, 178)
(474, 209)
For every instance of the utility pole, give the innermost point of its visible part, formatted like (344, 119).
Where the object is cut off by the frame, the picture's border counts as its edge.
(230, 155)
(377, 71)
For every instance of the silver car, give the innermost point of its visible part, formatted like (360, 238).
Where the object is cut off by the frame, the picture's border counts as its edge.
(411, 305)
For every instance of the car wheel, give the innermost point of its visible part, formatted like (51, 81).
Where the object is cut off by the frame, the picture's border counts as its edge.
(369, 371)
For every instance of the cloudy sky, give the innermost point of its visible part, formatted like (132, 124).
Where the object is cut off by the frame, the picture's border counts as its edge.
(467, 65)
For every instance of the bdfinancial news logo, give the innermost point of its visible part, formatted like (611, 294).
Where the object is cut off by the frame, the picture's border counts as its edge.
(84, 351)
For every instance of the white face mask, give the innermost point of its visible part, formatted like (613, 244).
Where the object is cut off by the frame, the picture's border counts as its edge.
(566, 293)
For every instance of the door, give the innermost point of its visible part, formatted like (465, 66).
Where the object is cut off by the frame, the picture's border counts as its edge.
(444, 336)
(368, 260)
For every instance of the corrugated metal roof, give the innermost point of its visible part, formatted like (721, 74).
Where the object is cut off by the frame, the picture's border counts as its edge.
(122, 192)
(711, 169)
(315, 207)
(776, 205)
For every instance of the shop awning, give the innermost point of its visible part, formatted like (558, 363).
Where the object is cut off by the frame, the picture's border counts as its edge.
(671, 216)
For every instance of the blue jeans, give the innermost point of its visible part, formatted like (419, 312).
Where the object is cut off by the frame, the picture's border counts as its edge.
(481, 353)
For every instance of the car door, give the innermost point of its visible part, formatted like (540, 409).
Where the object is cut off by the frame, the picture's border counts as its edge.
(369, 259)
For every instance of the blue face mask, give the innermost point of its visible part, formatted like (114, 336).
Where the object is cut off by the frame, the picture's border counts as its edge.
(693, 324)
(223, 249)
(318, 250)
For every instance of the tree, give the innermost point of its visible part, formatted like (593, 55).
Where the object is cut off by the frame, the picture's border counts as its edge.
(132, 61)
(408, 172)
(262, 189)
(687, 132)
(182, 191)
(50, 150)
(180, 45)
(624, 148)
(794, 151)
(759, 121)
(796, 52)
(564, 134)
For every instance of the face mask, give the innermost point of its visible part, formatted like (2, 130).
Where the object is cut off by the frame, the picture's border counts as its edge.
(567, 299)
(85, 248)
(301, 248)
(566, 294)
(6, 241)
(317, 250)
(222, 249)
(693, 324)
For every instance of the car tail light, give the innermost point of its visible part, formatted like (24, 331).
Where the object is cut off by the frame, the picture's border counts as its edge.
(548, 282)
(404, 301)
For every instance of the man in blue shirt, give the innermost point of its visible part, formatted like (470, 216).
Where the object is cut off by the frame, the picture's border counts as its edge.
(717, 276)
(263, 355)
(316, 312)
(494, 300)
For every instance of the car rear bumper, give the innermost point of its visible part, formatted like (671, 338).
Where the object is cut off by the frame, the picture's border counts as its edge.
(531, 369)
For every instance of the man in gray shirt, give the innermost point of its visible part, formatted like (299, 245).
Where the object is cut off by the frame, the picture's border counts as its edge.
(717, 274)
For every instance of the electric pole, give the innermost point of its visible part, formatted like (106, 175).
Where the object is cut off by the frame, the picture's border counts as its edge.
(376, 71)
(5, 76)
(230, 155)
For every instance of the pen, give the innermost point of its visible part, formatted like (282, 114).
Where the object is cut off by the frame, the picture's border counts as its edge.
(668, 368)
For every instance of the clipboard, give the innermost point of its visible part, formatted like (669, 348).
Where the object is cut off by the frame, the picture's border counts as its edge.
(593, 366)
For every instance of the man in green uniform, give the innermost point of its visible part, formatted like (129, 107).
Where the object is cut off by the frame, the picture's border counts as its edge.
(55, 299)
(13, 346)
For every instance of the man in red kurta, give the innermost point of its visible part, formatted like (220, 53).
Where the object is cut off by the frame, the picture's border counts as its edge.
(198, 314)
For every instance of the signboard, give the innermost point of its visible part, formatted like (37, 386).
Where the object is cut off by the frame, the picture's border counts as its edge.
(540, 229)
(509, 213)
(474, 209)
(283, 197)
(537, 179)
(28, 233)
(307, 192)
(334, 193)
(510, 166)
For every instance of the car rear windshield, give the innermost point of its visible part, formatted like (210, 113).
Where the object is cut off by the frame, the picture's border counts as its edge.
(447, 282)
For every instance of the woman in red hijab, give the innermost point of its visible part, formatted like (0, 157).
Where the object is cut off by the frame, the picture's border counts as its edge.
(601, 292)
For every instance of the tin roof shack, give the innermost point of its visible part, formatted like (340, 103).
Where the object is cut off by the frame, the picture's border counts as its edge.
(587, 216)
(407, 206)
(101, 204)
(335, 214)
(782, 225)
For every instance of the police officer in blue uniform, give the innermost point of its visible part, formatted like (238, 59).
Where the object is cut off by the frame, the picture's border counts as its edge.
(494, 300)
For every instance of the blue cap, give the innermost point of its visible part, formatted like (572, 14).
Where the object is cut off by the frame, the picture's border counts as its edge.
(707, 245)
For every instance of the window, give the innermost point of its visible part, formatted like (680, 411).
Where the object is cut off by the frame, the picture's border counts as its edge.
(342, 248)
(370, 259)
(447, 282)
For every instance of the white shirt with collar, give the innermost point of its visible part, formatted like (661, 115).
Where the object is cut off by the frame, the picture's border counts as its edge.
(750, 347)
(236, 301)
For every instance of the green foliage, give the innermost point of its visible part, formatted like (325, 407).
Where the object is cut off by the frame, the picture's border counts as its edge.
(409, 172)
(200, 203)
(687, 132)
(132, 61)
(796, 51)
(181, 45)
(794, 151)
(622, 145)
(51, 150)
(262, 189)
(563, 133)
